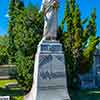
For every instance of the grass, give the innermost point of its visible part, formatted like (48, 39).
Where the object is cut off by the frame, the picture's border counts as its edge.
(17, 98)
(11, 92)
(5, 82)
(17, 93)
(14, 93)
(85, 94)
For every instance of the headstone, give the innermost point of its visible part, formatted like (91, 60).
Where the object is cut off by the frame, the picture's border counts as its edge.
(4, 97)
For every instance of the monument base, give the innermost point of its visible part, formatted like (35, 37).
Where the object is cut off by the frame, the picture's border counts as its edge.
(49, 73)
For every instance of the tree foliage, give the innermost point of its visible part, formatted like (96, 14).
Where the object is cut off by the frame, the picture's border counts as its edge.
(27, 33)
(15, 8)
(79, 41)
(3, 50)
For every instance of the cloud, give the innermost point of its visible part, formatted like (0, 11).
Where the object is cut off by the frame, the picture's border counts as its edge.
(7, 16)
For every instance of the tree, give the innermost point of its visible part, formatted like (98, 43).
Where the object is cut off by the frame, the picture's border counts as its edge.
(90, 42)
(28, 32)
(15, 8)
(79, 42)
(25, 31)
(3, 50)
(3, 55)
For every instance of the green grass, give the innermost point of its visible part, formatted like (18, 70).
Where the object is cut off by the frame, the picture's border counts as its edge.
(17, 98)
(5, 82)
(85, 94)
(17, 93)
(14, 93)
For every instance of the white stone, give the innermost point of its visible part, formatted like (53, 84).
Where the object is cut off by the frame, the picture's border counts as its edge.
(49, 74)
(4, 97)
(50, 18)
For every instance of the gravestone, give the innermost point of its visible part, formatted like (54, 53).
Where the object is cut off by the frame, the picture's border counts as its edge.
(4, 97)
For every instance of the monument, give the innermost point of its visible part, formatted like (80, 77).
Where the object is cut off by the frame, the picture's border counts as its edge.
(4, 97)
(49, 78)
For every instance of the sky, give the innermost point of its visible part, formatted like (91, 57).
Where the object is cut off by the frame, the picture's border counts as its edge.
(86, 6)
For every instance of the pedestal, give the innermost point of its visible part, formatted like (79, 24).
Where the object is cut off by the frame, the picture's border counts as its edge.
(49, 73)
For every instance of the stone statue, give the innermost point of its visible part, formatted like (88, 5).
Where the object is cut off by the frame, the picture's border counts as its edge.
(49, 9)
(49, 78)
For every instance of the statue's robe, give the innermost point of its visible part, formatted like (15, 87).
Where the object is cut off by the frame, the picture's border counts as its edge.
(50, 18)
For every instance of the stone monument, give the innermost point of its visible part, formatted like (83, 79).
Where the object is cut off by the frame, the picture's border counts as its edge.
(4, 97)
(49, 79)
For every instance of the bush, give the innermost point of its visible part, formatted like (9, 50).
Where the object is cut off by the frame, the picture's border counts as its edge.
(24, 71)
(3, 55)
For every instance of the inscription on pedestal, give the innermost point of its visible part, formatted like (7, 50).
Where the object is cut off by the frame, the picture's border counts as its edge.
(51, 71)
(52, 48)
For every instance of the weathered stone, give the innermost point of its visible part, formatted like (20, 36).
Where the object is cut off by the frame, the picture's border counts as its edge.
(49, 75)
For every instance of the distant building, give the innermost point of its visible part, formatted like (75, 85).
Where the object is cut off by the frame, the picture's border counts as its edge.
(92, 79)
(96, 66)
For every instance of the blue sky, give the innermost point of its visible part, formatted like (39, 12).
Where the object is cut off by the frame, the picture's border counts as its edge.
(86, 7)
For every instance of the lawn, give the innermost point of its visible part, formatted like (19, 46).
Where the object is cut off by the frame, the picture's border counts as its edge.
(85, 94)
(17, 93)
(14, 93)
(5, 82)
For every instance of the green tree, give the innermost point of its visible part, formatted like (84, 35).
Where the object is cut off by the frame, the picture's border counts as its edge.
(15, 8)
(28, 32)
(3, 50)
(90, 41)
(3, 55)
(79, 42)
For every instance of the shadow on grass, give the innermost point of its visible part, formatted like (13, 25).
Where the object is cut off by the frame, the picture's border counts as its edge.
(11, 92)
(74, 94)
(85, 94)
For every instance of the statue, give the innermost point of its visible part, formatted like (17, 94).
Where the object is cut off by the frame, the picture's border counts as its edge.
(49, 78)
(49, 9)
